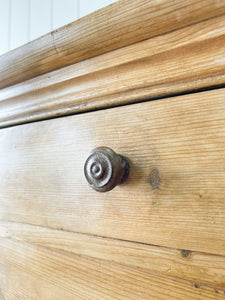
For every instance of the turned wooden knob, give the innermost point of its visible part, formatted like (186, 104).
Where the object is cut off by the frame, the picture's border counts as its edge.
(104, 169)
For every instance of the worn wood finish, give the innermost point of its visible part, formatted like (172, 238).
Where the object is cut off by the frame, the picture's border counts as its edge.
(161, 234)
(174, 196)
(153, 68)
(183, 60)
(42, 273)
(121, 24)
(191, 265)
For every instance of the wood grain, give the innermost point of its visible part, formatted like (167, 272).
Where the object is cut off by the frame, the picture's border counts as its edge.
(118, 25)
(183, 60)
(32, 272)
(180, 140)
(191, 265)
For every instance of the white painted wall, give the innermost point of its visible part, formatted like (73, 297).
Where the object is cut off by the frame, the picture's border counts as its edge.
(24, 20)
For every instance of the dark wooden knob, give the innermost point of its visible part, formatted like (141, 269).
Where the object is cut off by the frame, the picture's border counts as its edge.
(104, 169)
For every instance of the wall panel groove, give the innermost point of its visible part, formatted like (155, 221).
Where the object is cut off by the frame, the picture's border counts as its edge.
(22, 21)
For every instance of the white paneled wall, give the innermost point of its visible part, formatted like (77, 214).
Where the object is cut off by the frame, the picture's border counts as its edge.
(19, 23)
(88, 6)
(4, 26)
(70, 9)
(24, 20)
(40, 18)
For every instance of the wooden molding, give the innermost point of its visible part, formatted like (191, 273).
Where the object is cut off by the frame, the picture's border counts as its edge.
(120, 24)
(183, 60)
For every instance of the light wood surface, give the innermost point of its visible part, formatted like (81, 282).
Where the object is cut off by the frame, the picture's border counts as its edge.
(191, 265)
(161, 234)
(180, 61)
(120, 24)
(180, 138)
(42, 273)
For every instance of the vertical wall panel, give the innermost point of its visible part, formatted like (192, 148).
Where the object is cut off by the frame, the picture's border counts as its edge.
(64, 12)
(4, 25)
(24, 20)
(40, 18)
(19, 27)
(87, 6)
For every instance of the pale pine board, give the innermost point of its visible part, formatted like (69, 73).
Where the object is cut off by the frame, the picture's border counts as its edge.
(34, 272)
(186, 59)
(191, 265)
(120, 24)
(42, 181)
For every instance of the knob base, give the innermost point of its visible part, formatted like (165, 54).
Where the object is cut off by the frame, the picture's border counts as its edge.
(126, 169)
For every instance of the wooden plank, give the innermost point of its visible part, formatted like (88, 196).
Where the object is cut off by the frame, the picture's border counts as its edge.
(184, 60)
(41, 273)
(182, 263)
(180, 138)
(130, 22)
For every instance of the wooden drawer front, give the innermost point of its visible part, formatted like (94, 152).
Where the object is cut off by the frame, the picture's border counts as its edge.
(181, 140)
